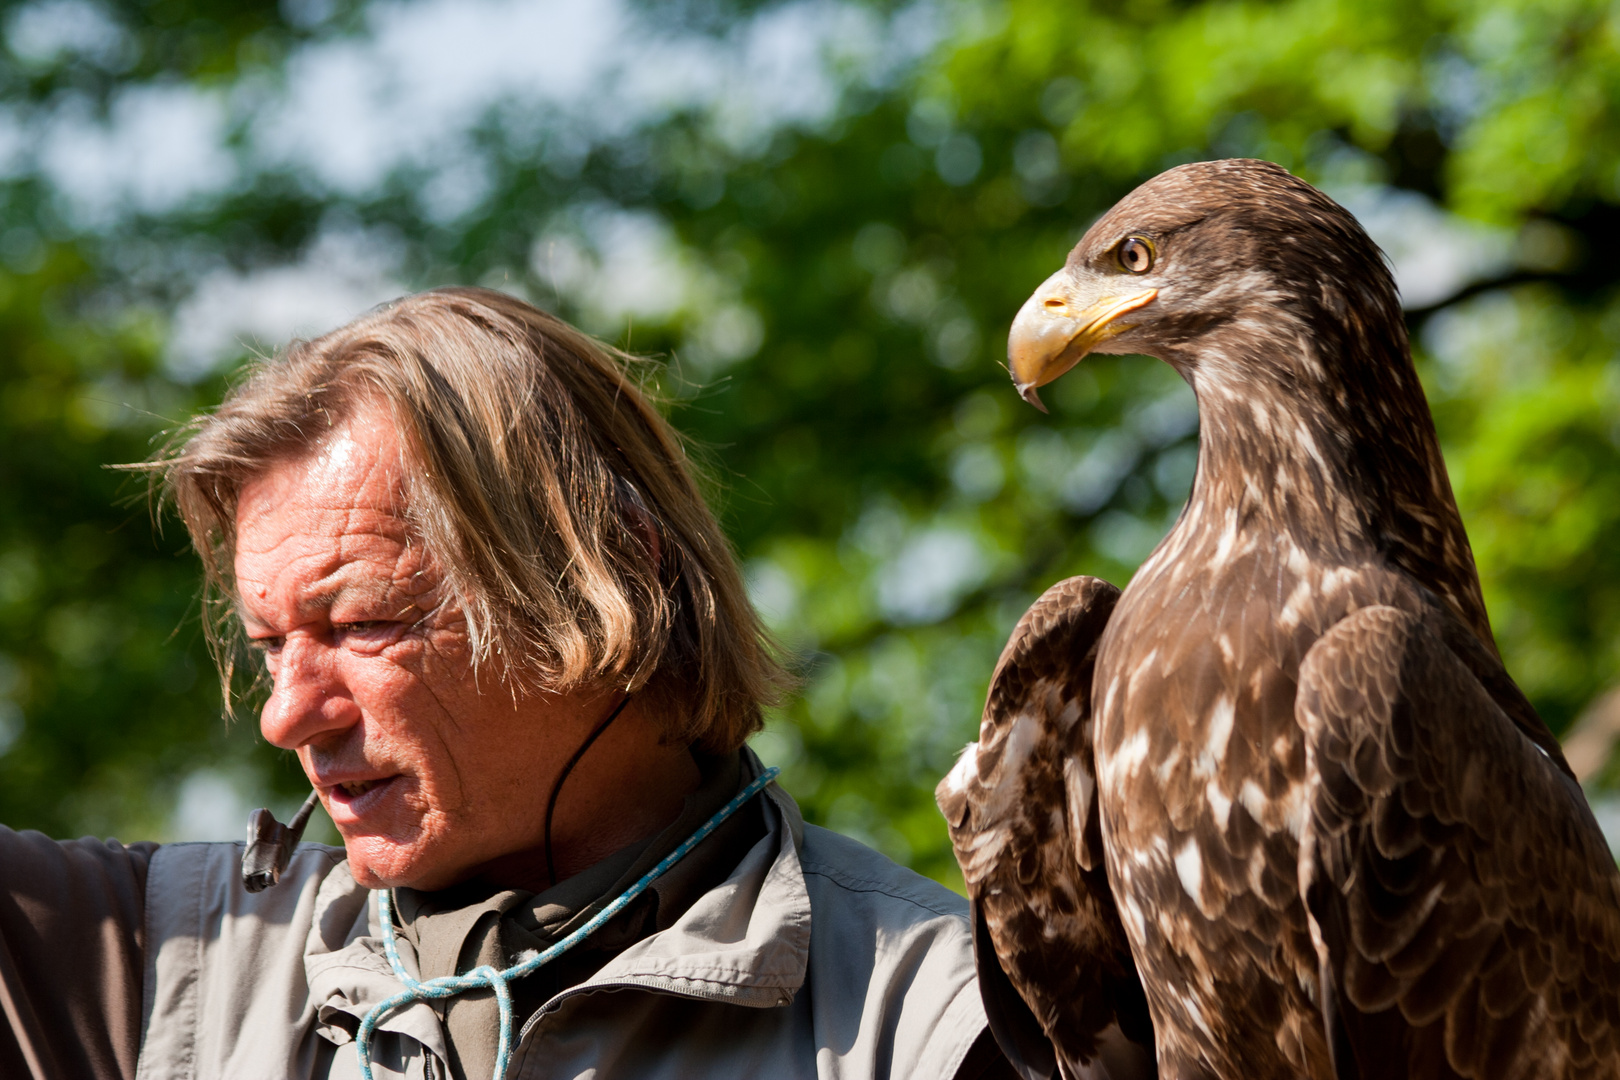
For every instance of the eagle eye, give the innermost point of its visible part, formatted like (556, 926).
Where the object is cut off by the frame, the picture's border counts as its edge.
(1136, 255)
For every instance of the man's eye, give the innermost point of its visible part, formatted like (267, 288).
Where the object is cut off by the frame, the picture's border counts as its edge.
(366, 634)
(265, 644)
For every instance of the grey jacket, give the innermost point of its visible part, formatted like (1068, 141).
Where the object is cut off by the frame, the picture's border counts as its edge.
(817, 957)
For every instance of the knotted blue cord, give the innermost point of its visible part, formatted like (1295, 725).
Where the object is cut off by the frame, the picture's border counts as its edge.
(488, 978)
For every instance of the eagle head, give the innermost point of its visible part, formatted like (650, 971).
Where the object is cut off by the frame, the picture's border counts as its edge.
(1203, 255)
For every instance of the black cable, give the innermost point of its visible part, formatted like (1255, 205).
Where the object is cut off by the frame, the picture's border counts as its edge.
(556, 788)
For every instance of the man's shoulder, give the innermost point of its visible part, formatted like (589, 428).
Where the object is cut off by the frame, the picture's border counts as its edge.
(892, 954)
(226, 968)
(200, 883)
(219, 863)
(860, 873)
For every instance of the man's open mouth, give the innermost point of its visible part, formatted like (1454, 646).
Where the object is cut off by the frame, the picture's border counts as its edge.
(349, 798)
(356, 788)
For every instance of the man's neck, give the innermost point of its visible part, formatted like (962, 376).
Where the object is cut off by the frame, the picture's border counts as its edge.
(627, 787)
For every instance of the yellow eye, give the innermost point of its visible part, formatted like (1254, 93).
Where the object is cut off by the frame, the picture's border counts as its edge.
(1136, 255)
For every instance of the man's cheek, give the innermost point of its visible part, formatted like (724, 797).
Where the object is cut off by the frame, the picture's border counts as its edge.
(448, 650)
(397, 676)
(444, 669)
(427, 657)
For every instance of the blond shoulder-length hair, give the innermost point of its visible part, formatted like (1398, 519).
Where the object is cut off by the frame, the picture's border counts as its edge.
(560, 505)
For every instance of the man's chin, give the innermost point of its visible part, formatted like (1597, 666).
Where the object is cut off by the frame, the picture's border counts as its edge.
(375, 862)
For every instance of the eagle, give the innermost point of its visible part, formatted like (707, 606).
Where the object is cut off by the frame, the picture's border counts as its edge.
(1276, 809)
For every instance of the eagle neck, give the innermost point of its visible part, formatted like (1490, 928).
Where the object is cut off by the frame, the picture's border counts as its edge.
(1323, 433)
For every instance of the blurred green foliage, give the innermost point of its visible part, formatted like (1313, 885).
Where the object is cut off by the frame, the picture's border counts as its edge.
(846, 291)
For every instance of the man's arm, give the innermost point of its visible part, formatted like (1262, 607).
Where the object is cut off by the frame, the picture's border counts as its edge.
(71, 958)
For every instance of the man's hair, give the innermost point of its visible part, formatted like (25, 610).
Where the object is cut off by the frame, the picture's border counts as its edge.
(560, 506)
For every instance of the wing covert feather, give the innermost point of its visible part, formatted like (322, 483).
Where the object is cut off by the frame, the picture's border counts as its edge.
(1021, 806)
(1465, 905)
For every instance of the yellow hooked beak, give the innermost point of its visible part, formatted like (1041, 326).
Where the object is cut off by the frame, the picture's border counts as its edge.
(1054, 329)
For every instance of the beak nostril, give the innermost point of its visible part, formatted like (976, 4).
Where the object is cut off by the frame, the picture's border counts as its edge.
(1053, 303)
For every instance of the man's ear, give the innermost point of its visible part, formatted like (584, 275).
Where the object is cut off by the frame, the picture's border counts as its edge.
(642, 524)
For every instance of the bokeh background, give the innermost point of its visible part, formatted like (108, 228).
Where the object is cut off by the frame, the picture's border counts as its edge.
(818, 217)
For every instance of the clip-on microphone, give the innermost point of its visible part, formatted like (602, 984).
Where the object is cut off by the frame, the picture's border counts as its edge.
(270, 844)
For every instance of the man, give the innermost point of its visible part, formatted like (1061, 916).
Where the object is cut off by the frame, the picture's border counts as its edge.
(512, 651)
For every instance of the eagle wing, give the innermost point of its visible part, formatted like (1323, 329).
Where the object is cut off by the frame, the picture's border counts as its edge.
(1055, 970)
(1465, 908)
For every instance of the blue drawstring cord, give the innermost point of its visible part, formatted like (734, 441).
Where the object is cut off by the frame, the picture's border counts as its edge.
(488, 978)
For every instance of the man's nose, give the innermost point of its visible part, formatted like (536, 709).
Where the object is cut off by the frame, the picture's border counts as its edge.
(309, 698)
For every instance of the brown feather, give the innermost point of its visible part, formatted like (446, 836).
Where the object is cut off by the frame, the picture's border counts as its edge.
(1478, 916)
(1021, 806)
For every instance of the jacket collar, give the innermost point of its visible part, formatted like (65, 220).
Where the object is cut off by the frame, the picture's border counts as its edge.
(746, 941)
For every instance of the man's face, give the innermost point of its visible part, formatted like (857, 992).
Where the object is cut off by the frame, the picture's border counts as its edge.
(427, 771)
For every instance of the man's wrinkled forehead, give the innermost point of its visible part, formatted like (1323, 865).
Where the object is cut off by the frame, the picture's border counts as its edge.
(337, 456)
(357, 463)
(315, 528)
